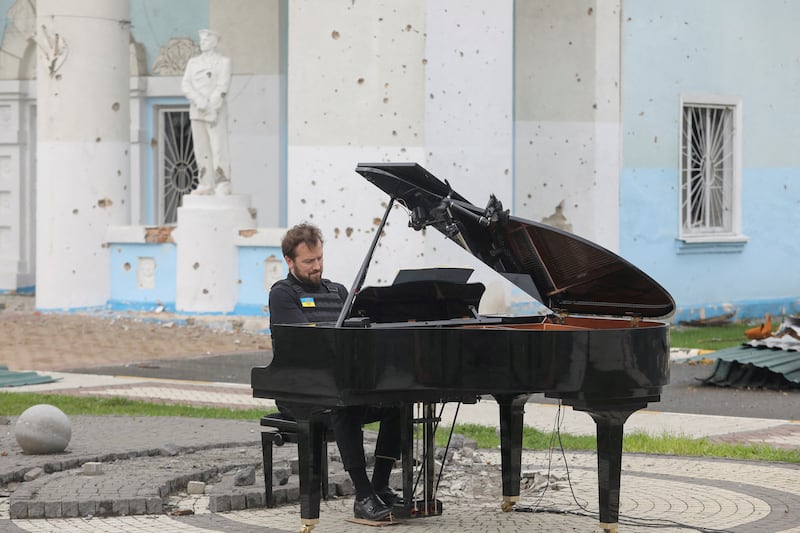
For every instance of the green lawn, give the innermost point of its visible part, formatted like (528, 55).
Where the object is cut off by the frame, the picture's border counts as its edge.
(709, 337)
(637, 442)
(14, 403)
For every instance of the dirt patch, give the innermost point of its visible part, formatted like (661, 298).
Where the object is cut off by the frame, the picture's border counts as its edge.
(30, 340)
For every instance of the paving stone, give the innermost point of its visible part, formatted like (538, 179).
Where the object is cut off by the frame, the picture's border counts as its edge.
(86, 507)
(245, 476)
(92, 468)
(52, 509)
(196, 487)
(104, 508)
(137, 506)
(255, 499)
(69, 509)
(120, 507)
(220, 503)
(154, 505)
(18, 510)
(238, 502)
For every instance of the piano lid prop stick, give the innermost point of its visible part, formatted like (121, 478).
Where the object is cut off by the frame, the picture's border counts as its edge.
(362, 273)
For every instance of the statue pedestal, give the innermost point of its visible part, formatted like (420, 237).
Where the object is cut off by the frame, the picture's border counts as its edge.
(207, 268)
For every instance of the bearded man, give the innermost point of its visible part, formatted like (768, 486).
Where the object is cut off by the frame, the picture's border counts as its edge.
(306, 297)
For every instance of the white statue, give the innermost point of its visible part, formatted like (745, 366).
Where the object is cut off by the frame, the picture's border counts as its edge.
(206, 81)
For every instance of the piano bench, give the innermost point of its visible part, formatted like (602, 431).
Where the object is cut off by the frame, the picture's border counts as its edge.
(285, 430)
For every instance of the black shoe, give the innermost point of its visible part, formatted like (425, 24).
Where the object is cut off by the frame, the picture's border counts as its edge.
(388, 496)
(371, 508)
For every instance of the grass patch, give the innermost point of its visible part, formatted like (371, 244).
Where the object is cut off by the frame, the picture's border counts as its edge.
(14, 403)
(708, 337)
(678, 445)
(637, 442)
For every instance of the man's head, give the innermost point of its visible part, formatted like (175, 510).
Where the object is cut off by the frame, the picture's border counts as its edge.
(208, 40)
(302, 250)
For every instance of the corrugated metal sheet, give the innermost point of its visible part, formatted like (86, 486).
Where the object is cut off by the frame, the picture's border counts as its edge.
(756, 366)
(9, 378)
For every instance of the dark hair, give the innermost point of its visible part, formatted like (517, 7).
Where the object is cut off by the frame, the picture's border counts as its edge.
(301, 233)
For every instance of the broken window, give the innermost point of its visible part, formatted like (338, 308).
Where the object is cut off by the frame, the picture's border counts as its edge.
(709, 170)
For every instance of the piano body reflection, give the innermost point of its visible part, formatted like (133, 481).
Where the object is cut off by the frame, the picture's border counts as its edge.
(601, 350)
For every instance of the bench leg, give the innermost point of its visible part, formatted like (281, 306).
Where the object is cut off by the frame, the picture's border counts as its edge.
(266, 454)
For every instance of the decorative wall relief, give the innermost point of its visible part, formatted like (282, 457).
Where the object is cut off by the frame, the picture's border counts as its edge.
(174, 55)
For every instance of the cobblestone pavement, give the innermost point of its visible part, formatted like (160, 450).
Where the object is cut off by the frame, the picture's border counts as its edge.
(147, 463)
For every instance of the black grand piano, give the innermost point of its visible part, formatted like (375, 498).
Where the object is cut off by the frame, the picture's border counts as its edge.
(600, 350)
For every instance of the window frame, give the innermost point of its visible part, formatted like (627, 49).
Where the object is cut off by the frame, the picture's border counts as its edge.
(711, 235)
(159, 198)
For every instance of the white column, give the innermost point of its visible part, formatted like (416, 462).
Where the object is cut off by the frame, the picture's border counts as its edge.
(83, 146)
(16, 187)
(207, 262)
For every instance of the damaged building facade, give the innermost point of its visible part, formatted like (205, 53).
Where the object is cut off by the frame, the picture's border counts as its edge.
(647, 127)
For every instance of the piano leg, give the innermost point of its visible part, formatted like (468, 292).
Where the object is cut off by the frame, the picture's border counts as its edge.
(610, 424)
(310, 440)
(512, 409)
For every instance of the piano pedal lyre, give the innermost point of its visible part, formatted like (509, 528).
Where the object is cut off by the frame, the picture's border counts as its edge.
(420, 478)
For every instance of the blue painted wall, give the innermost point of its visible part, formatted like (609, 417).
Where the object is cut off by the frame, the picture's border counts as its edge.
(729, 47)
(125, 294)
(5, 5)
(154, 22)
(253, 295)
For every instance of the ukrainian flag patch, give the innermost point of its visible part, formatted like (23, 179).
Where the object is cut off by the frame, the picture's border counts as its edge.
(307, 302)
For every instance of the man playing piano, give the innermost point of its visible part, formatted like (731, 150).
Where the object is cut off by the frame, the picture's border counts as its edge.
(306, 297)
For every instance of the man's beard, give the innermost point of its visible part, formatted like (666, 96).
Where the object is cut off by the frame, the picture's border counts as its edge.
(315, 280)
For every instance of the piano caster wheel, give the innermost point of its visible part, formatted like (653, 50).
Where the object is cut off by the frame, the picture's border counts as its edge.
(308, 526)
(608, 528)
(508, 503)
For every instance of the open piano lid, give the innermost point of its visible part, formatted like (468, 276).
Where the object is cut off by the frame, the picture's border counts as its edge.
(561, 270)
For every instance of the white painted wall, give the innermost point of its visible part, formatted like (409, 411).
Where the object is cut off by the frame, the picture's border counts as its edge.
(424, 81)
(567, 143)
(355, 94)
(469, 118)
(252, 36)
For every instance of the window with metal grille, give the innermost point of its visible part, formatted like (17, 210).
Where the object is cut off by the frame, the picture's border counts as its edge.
(177, 168)
(707, 169)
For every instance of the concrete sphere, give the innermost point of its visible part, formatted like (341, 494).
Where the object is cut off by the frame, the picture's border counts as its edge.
(43, 429)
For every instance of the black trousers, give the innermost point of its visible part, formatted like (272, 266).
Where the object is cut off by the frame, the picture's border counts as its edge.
(347, 425)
